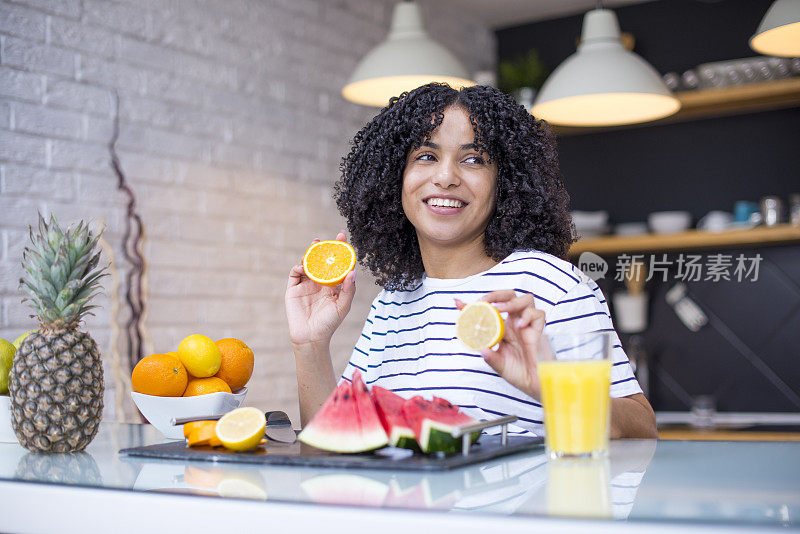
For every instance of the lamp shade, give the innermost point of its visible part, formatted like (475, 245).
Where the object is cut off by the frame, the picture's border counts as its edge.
(407, 59)
(779, 31)
(603, 84)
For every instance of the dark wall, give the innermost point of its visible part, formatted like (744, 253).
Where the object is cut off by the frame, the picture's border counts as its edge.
(748, 356)
(696, 166)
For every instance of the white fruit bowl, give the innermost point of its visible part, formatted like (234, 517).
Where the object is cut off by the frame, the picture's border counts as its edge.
(6, 432)
(160, 411)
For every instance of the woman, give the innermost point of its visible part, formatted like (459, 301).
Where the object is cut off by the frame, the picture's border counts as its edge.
(451, 196)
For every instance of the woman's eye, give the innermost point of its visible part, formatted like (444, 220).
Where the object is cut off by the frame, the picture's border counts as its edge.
(475, 160)
(426, 157)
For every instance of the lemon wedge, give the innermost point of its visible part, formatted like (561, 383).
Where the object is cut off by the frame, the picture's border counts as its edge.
(241, 429)
(479, 326)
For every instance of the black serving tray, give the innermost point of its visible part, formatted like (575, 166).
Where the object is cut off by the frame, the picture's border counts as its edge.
(300, 454)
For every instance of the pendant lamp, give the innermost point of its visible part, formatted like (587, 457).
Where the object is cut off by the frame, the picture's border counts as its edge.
(779, 31)
(407, 59)
(603, 84)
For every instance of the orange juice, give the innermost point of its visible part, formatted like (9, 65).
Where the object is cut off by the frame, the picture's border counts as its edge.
(576, 406)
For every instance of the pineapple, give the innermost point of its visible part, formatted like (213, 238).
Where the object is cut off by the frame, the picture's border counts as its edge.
(56, 382)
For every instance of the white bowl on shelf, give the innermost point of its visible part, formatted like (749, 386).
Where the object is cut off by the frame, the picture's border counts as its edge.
(631, 228)
(160, 411)
(669, 222)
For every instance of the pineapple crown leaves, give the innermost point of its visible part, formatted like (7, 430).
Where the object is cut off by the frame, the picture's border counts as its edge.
(62, 273)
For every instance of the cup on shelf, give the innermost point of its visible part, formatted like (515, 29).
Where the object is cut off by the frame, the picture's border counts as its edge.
(630, 311)
(794, 209)
(743, 210)
(771, 210)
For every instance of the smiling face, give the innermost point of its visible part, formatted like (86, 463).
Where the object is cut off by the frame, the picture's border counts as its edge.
(449, 184)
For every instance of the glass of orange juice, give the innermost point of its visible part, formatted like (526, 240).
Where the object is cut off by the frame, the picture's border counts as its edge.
(575, 374)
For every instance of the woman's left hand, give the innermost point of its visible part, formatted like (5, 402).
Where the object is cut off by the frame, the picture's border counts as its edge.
(515, 357)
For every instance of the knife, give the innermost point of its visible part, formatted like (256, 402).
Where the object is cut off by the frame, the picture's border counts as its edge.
(279, 426)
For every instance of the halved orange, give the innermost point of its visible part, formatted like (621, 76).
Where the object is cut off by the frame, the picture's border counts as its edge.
(188, 428)
(479, 326)
(328, 262)
(204, 435)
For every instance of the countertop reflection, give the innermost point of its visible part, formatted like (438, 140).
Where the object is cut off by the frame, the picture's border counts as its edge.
(640, 480)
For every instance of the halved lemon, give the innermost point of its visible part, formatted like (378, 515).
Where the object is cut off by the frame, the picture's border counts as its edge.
(479, 326)
(328, 262)
(241, 429)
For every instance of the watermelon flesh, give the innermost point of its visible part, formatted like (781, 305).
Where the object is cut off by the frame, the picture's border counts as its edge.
(432, 422)
(336, 426)
(373, 435)
(390, 410)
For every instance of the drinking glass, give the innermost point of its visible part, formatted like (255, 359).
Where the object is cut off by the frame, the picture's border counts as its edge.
(575, 376)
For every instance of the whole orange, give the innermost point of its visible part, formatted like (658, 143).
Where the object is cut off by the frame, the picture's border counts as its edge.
(237, 362)
(204, 386)
(159, 374)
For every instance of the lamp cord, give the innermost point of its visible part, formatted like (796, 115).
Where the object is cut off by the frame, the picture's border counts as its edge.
(599, 4)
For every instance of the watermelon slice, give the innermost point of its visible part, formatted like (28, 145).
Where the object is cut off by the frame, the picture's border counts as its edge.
(390, 410)
(372, 433)
(432, 422)
(336, 425)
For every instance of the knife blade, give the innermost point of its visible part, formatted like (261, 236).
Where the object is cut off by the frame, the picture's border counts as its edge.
(279, 426)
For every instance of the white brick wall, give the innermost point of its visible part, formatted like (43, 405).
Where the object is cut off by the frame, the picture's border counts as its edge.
(232, 129)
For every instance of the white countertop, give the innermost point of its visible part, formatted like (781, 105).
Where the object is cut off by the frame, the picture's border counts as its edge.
(718, 486)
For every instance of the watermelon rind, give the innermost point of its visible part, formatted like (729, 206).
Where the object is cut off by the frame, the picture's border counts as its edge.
(403, 438)
(437, 437)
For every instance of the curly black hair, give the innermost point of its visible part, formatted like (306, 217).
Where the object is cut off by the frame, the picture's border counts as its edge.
(531, 208)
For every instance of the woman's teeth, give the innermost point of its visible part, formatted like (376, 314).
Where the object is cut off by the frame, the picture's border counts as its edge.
(445, 203)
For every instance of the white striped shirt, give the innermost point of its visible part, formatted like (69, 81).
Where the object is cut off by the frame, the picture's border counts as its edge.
(409, 344)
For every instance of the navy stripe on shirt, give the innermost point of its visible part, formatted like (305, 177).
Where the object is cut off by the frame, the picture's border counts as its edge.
(413, 343)
(577, 280)
(579, 317)
(397, 317)
(453, 292)
(434, 371)
(412, 329)
(535, 295)
(415, 358)
(623, 380)
(564, 301)
(540, 277)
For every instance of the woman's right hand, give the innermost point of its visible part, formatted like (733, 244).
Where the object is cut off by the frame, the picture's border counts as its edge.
(315, 311)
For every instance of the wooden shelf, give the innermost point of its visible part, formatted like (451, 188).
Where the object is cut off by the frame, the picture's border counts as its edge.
(689, 240)
(717, 102)
(730, 435)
